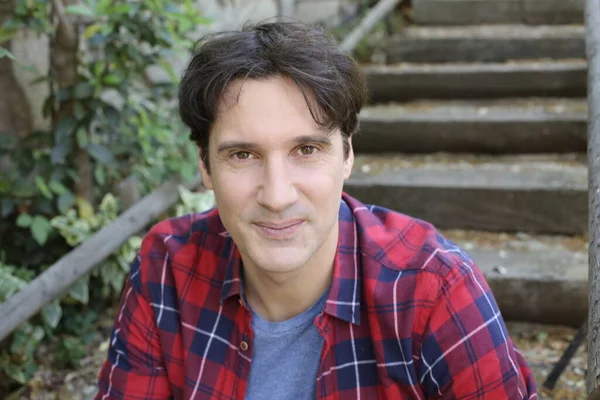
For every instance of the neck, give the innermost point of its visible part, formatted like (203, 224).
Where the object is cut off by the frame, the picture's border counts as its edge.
(278, 297)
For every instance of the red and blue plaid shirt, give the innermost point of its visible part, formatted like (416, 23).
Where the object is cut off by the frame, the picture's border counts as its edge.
(408, 316)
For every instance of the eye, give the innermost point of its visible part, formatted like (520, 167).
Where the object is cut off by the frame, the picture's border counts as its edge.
(242, 155)
(307, 150)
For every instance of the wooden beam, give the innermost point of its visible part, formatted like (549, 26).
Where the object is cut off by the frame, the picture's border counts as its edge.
(467, 12)
(493, 127)
(61, 275)
(405, 82)
(592, 19)
(488, 43)
(502, 196)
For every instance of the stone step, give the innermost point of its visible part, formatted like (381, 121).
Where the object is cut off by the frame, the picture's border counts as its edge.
(403, 82)
(466, 12)
(494, 126)
(486, 43)
(527, 274)
(532, 193)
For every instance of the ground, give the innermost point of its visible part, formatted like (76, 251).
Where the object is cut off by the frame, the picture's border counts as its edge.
(542, 345)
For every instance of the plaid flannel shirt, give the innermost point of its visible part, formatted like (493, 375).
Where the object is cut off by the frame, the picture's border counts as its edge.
(408, 316)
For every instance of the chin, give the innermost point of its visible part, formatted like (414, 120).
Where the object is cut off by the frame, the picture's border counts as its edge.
(281, 261)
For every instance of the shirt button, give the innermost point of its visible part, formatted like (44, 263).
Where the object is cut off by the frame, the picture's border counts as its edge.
(244, 346)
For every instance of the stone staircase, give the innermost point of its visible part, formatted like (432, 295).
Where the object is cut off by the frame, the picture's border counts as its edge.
(478, 125)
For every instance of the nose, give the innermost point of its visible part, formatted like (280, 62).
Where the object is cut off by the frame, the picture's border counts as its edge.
(277, 191)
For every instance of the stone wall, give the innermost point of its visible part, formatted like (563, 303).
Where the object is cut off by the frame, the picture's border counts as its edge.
(33, 51)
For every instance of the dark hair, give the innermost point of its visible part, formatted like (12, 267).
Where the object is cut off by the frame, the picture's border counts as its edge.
(329, 78)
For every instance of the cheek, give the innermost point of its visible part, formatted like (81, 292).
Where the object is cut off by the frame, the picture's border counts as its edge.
(232, 191)
(324, 186)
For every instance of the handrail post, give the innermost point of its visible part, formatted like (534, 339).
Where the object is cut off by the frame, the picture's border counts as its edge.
(592, 22)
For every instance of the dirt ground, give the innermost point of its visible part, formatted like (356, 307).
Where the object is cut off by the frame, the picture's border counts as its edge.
(542, 346)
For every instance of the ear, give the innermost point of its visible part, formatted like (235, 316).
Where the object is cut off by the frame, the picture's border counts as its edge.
(206, 178)
(349, 161)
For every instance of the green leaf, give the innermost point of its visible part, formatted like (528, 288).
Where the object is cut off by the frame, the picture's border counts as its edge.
(5, 53)
(80, 290)
(103, 5)
(79, 111)
(65, 202)
(40, 228)
(100, 175)
(16, 373)
(80, 9)
(57, 187)
(112, 116)
(39, 181)
(60, 152)
(83, 90)
(65, 128)
(112, 79)
(7, 33)
(86, 211)
(52, 313)
(120, 9)
(24, 220)
(82, 138)
(92, 30)
(113, 275)
(100, 153)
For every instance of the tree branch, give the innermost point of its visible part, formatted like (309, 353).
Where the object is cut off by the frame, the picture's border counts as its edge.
(68, 29)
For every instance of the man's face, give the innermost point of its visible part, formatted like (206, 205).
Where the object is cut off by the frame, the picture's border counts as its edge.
(276, 176)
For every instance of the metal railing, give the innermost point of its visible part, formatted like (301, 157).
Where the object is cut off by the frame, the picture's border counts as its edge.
(592, 22)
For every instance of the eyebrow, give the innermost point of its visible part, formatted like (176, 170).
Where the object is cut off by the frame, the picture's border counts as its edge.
(235, 145)
(323, 140)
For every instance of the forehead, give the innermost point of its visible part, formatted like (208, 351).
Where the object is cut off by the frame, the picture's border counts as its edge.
(263, 109)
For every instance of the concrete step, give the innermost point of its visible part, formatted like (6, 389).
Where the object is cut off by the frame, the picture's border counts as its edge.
(403, 82)
(528, 273)
(486, 43)
(532, 193)
(484, 126)
(466, 12)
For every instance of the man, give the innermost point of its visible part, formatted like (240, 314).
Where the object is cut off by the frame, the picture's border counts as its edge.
(289, 288)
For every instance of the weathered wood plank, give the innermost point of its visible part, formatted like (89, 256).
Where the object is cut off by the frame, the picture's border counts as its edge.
(523, 281)
(490, 43)
(61, 275)
(512, 126)
(465, 12)
(405, 82)
(592, 19)
(528, 197)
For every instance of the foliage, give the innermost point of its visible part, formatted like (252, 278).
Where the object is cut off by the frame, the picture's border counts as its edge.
(17, 361)
(194, 202)
(78, 225)
(121, 116)
(121, 113)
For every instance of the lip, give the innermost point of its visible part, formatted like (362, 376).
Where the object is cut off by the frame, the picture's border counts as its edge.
(279, 230)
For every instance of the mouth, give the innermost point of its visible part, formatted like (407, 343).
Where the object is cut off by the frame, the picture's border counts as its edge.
(279, 230)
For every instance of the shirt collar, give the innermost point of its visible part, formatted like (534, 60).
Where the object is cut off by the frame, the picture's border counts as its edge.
(343, 300)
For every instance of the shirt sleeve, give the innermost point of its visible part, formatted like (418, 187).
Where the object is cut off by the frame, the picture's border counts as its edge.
(135, 368)
(466, 351)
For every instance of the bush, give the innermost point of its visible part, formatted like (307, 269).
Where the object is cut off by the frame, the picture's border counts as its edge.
(111, 118)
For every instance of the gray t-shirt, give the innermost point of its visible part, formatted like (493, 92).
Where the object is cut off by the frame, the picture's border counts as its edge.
(285, 357)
